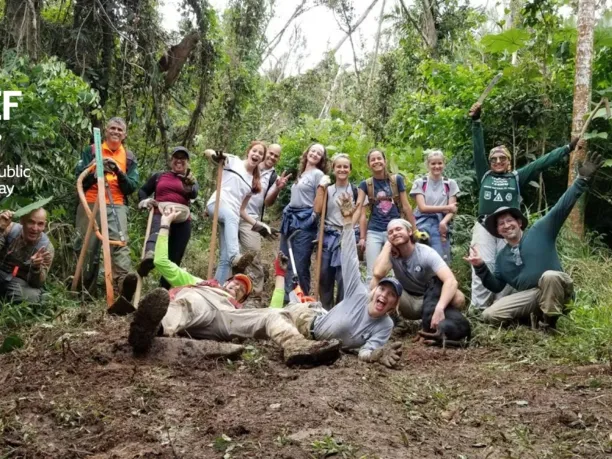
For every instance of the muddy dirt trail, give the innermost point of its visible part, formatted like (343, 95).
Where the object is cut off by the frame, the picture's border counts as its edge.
(79, 393)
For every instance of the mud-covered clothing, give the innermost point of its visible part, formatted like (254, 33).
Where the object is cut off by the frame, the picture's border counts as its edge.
(121, 184)
(499, 190)
(15, 255)
(236, 184)
(349, 321)
(522, 266)
(168, 187)
(383, 208)
(415, 272)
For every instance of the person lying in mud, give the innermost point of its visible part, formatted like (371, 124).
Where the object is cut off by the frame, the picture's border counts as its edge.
(204, 312)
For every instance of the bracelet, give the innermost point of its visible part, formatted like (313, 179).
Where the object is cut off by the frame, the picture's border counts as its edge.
(164, 227)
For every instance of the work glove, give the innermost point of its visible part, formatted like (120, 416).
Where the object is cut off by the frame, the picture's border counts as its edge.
(574, 143)
(217, 156)
(389, 355)
(189, 179)
(475, 111)
(265, 230)
(590, 166)
(325, 181)
(148, 203)
(280, 264)
(110, 166)
(421, 236)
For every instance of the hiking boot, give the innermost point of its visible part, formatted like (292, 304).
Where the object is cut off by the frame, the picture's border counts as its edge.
(146, 265)
(306, 352)
(548, 323)
(241, 262)
(123, 305)
(151, 311)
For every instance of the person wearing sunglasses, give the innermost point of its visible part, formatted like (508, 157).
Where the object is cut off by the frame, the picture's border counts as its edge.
(500, 186)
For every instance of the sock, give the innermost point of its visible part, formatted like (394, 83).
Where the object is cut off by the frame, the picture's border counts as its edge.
(277, 298)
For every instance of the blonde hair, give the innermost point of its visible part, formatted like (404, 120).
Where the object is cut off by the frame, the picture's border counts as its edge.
(430, 154)
(341, 156)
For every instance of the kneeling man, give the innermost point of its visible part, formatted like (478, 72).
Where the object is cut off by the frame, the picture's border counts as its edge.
(203, 311)
(414, 265)
(529, 262)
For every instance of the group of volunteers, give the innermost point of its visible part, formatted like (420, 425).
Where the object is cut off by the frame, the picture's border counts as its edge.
(516, 275)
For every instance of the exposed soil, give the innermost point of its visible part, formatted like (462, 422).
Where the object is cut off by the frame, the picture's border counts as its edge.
(83, 394)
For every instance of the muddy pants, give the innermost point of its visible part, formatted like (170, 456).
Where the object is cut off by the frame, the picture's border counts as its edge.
(488, 247)
(17, 290)
(554, 290)
(121, 262)
(200, 314)
(250, 241)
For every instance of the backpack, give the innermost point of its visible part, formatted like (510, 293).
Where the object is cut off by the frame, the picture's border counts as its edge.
(273, 178)
(394, 192)
(446, 185)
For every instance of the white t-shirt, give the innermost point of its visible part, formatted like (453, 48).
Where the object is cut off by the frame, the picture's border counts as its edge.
(236, 183)
(303, 191)
(256, 202)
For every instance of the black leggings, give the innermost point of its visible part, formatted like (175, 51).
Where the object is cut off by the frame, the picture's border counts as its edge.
(177, 241)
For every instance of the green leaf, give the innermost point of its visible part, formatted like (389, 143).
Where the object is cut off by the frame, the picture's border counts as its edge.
(511, 40)
(30, 207)
(11, 343)
(596, 135)
(607, 163)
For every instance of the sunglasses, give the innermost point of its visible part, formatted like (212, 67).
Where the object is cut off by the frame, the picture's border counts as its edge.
(498, 159)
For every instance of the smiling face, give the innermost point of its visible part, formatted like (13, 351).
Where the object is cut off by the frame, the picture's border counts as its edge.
(179, 163)
(398, 234)
(384, 300)
(342, 168)
(436, 166)
(509, 228)
(114, 134)
(315, 154)
(272, 156)
(377, 162)
(33, 225)
(256, 154)
(235, 288)
(499, 163)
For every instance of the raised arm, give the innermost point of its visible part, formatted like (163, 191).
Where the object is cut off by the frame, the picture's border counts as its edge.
(481, 165)
(351, 276)
(382, 265)
(530, 171)
(279, 184)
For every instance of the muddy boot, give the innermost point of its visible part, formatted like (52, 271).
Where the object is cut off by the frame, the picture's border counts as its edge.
(147, 264)
(241, 262)
(151, 311)
(307, 352)
(123, 304)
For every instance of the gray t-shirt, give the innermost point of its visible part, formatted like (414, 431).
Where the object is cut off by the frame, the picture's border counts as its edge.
(435, 193)
(333, 216)
(415, 272)
(256, 202)
(303, 191)
(349, 321)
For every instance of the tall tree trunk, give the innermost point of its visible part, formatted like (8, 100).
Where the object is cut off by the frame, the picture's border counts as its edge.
(22, 25)
(582, 97)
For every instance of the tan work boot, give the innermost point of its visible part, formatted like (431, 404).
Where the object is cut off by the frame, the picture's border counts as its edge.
(307, 352)
(148, 317)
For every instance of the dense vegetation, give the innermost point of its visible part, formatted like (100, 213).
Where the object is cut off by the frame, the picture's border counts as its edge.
(207, 87)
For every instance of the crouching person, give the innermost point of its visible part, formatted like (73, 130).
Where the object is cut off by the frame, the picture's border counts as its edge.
(529, 261)
(26, 254)
(414, 265)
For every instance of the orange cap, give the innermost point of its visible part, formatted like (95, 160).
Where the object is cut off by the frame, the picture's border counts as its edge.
(246, 281)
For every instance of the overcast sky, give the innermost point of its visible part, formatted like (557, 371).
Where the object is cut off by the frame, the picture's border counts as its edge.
(319, 28)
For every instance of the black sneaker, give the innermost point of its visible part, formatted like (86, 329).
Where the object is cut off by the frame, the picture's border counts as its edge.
(123, 305)
(306, 352)
(151, 311)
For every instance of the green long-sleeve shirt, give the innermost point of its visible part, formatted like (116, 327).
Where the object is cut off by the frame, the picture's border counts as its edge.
(523, 265)
(502, 190)
(174, 274)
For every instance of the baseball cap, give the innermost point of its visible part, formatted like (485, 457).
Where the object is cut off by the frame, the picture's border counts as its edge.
(176, 150)
(394, 283)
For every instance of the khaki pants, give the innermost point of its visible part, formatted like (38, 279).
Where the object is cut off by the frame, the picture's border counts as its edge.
(250, 241)
(554, 290)
(411, 307)
(205, 314)
(121, 262)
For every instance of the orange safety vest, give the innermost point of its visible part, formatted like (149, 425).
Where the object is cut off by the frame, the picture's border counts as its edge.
(120, 157)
